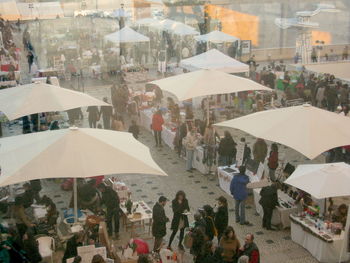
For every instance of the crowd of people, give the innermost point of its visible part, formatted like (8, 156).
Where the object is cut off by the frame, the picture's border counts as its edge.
(8, 50)
(210, 223)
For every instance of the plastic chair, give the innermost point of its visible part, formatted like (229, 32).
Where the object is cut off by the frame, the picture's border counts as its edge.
(46, 247)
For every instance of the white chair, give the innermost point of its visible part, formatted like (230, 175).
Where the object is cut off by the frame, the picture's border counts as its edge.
(46, 247)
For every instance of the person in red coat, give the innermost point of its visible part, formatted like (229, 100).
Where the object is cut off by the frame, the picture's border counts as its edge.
(157, 127)
(273, 161)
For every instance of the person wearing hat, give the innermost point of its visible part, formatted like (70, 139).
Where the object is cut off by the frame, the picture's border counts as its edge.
(106, 112)
(159, 222)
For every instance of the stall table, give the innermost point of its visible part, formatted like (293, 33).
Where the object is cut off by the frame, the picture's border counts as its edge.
(133, 221)
(325, 247)
(226, 173)
(47, 72)
(281, 213)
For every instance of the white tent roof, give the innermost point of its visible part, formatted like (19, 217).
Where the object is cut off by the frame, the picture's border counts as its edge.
(338, 69)
(73, 153)
(148, 21)
(332, 179)
(214, 59)
(176, 27)
(126, 35)
(204, 83)
(307, 129)
(44, 10)
(217, 37)
(8, 10)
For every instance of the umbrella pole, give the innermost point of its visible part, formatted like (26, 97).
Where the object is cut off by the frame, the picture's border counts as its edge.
(38, 122)
(208, 110)
(75, 197)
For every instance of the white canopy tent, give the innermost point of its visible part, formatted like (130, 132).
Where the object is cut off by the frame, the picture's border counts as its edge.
(338, 69)
(126, 35)
(214, 59)
(41, 10)
(148, 21)
(216, 37)
(175, 27)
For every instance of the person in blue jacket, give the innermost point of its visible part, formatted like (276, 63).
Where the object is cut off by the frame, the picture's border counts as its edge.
(239, 191)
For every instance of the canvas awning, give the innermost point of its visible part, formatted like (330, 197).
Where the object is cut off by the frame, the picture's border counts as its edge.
(214, 59)
(126, 35)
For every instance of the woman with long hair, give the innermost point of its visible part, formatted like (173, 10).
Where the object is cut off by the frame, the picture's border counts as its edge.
(230, 245)
(180, 221)
(221, 217)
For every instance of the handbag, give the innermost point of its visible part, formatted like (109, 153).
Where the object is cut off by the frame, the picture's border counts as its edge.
(188, 240)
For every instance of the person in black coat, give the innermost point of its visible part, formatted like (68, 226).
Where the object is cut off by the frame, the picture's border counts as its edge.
(106, 112)
(221, 216)
(31, 247)
(268, 201)
(180, 221)
(93, 116)
(72, 244)
(227, 150)
(111, 199)
(159, 222)
(209, 222)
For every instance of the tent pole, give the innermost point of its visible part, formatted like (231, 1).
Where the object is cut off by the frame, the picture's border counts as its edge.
(75, 197)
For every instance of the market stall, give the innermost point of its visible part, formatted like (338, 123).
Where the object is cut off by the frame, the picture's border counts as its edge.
(136, 216)
(323, 235)
(318, 239)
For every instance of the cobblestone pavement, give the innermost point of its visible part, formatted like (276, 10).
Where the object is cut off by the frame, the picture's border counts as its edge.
(275, 246)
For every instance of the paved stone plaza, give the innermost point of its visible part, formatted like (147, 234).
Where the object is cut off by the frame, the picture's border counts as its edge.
(275, 246)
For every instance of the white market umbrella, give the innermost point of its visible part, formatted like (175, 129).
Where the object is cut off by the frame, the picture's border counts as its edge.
(73, 152)
(33, 98)
(214, 59)
(126, 35)
(205, 83)
(307, 129)
(216, 37)
(322, 180)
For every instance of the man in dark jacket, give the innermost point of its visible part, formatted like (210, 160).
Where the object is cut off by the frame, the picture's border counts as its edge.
(106, 112)
(36, 188)
(239, 191)
(111, 200)
(227, 150)
(159, 222)
(72, 244)
(268, 201)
